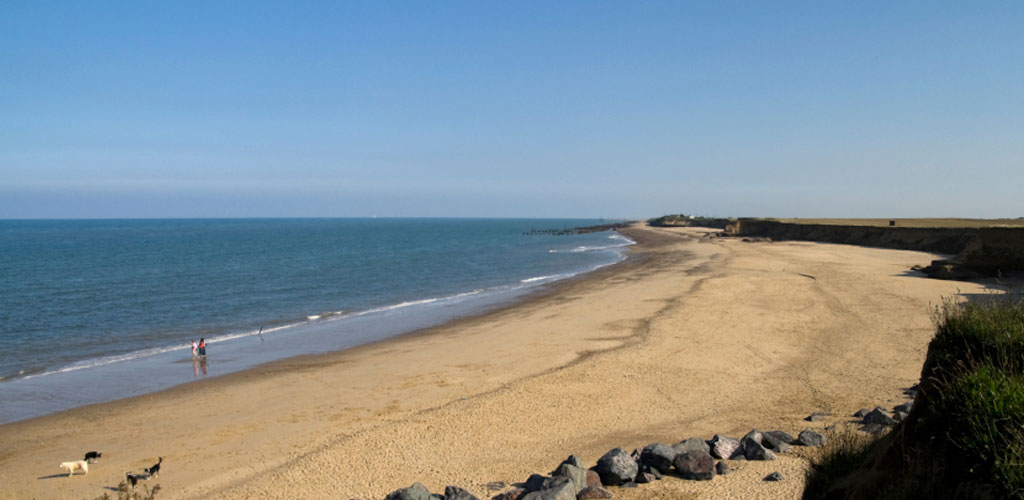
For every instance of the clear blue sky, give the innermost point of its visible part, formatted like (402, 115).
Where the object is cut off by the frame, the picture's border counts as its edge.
(533, 109)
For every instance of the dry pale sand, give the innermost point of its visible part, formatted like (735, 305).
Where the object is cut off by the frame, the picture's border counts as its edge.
(691, 337)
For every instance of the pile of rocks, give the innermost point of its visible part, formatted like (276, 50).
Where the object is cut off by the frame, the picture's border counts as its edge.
(879, 419)
(692, 459)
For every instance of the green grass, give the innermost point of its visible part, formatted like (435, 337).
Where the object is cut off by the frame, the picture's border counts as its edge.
(989, 331)
(965, 436)
(984, 412)
(845, 451)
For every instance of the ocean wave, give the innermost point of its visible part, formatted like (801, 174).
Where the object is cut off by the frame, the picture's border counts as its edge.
(538, 278)
(625, 242)
(141, 353)
(106, 360)
(324, 316)
(596, 248)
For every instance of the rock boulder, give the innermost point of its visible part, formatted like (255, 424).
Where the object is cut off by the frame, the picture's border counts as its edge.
(616, 467)
(774, 439)
(878, 417)
(723, 447)
(658, 455)
(415, 492)
(456, 493)
(594, 493)
(691, 444)
(753, 450)
(810, 437)
(695, 465)
(577, 475)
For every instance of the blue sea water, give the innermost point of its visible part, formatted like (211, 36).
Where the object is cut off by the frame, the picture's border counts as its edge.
(117, 302)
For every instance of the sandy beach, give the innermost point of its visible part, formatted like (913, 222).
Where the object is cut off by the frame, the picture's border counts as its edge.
(691, 336)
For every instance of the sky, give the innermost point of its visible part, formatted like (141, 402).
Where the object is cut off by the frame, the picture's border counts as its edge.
(625, 109)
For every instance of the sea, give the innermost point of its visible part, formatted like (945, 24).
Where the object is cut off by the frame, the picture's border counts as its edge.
(98, 310)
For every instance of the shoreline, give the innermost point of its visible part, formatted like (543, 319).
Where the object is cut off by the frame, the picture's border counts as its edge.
(165, 367)
(497, 396)
(277, 366)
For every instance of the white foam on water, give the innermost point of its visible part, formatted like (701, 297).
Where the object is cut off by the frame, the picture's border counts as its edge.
(538, 278)
(143, 353)
(626, 243)
(343, 314)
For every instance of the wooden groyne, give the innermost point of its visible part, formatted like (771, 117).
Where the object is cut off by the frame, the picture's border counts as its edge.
(576, 230)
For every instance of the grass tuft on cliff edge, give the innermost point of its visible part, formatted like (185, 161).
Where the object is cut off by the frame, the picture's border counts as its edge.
(964, 437)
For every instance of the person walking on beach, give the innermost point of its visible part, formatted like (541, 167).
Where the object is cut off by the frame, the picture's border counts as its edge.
(202, 347)
(193, 349)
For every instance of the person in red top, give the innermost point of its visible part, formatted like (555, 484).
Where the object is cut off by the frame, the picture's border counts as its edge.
(202, 347)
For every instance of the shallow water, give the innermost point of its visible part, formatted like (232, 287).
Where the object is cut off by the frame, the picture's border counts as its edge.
(98, 310)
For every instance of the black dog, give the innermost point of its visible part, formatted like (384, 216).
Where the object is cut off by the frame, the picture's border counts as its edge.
(155, 469)
(132, 479)
(92, 457)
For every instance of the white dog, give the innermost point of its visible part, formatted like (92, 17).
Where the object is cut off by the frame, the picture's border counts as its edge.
(75, 464)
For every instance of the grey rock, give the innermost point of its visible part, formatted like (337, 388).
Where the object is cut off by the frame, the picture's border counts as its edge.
(573, 460)
(691, 444)
(456, 493)
(783, 448)
(899, 415)
(774, 476)
(774, 439)
(861, 412)
(658, 455)
(817, 416)
(722, 468)
(536, 482)
(905, 407)
(810, 437)
(415, 492)
(560, 490)
(557, 482)
(577, 475)
(616, 467)
(754, 435)
(594, 493)
(593, 479)
(753, 450)
(875, 429)
(695, 465)
(656, 472)
(513, 494)
(644, 478)
(878, 417)
(723, 447)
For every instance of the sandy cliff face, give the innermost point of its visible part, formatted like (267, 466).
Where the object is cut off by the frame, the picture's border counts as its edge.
(990, 251)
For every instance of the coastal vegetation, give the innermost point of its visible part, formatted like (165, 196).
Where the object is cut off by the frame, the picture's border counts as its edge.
(683, 220)
(964, 436)
(126, 492)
